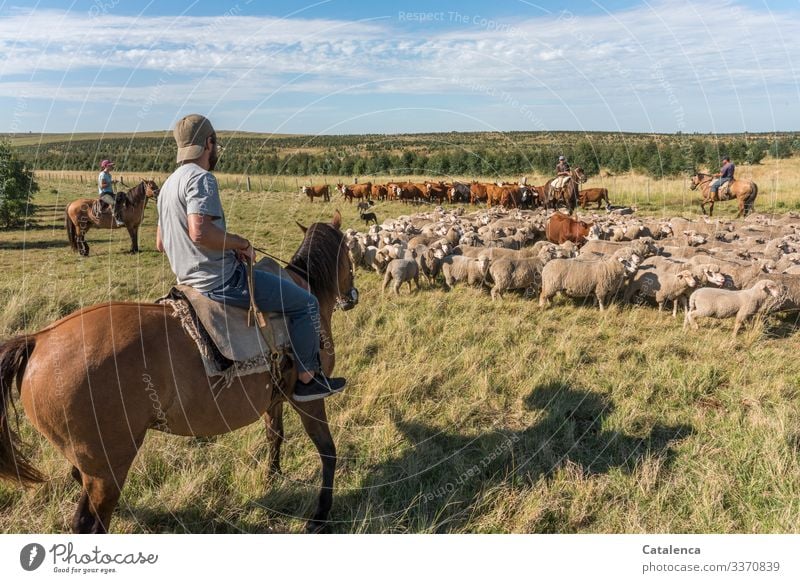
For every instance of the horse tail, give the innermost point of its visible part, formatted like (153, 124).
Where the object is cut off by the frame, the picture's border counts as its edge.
(14, 356)
(72, 232)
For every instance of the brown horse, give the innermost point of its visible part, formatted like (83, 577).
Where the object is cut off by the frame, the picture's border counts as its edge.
(745, 192)
(81, 216)
(94, 382)
(566, 195)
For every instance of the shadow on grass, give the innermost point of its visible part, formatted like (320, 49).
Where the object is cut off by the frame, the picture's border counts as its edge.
(784, 326)
(188, 520)
(21, 245)
(440, 476)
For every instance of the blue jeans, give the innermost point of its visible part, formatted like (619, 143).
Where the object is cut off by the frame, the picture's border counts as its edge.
(717, 183)
(274, 294)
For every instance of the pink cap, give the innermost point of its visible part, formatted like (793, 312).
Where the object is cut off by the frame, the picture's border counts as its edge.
(106, 163)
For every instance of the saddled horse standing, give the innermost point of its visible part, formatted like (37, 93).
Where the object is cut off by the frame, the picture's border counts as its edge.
(83, 214)
(745, 192)
(89, 381)
(567, 194)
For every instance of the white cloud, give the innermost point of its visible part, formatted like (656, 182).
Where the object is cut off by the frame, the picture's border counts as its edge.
(678, 48)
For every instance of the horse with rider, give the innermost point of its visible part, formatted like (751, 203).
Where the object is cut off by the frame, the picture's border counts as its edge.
(565, 187)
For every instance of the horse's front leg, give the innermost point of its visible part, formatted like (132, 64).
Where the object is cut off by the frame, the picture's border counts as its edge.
(273, 419)
(315, 422)
(134, 235)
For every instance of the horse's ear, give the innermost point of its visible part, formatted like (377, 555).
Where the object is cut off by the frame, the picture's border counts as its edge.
(337, 220)
(302, 227)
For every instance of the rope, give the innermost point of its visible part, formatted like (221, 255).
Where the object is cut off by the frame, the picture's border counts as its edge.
(254, 314)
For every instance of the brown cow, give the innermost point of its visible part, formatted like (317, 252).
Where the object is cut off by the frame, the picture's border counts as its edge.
(561, 228)
(507, 196)
(477, 192)
(391, 190)
(379, 191)
(597, 195)
(354, 191)
(408, 191)
(312, 191)
(436, 190)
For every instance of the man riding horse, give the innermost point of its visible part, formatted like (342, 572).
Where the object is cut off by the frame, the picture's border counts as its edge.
(725, 175)
(105, 189)
(203, 254)
(564, 187)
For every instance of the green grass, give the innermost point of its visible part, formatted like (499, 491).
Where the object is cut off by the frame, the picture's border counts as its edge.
(461, 415)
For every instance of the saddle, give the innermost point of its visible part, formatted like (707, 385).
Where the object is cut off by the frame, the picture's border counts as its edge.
(110, 200)
(229, 343)
(560, 181)
(724, 191)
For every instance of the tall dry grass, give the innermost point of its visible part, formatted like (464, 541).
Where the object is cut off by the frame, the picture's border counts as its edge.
(461, 415)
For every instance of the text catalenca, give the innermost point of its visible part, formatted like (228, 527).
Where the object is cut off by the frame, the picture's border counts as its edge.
(670, 550)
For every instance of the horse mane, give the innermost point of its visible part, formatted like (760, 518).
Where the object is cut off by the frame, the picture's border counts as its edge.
(136, 194)
(317, 259)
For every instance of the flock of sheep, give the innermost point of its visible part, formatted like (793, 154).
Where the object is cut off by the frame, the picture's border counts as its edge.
(719, 268)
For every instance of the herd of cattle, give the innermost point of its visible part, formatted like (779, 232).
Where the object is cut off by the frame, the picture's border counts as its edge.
(505, 194)
(718, 268)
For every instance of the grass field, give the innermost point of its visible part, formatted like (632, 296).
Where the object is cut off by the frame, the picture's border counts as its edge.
(461, 415)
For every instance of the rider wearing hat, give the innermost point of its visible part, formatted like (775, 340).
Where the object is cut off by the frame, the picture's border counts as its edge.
(105, 189)
(205, 255)
(562, 168)
(562, 173)
(724, 175)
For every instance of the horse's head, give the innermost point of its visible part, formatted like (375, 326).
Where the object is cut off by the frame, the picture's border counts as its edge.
(697, 179)
(578, 174)
(151, 189)
(325, 262)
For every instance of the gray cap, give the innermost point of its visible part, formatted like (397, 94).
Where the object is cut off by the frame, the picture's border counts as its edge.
(191, 133)
(561, 158)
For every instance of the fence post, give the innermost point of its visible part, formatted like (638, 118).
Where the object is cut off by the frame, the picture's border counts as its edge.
(248, 183)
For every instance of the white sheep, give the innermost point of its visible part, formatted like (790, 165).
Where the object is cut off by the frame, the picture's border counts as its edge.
(401, 271)
(516, 273)
(723, 303)
(662, 286)
(580, 278)
(457, 268)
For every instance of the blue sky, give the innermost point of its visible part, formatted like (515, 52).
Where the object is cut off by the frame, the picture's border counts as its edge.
(387, 67)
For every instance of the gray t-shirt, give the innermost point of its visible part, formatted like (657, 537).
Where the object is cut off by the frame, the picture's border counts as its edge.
(192, 190)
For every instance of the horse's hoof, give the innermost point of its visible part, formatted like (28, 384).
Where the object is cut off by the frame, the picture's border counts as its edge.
(317, 527)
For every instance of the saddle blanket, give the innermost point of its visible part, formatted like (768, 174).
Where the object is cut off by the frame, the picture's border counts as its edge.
(227, 345)
(559, 181)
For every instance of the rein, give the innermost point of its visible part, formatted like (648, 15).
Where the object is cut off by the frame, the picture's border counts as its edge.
(276, 258)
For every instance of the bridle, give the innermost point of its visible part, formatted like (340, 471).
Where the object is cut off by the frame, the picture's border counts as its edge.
(699, 182)
(349, 300)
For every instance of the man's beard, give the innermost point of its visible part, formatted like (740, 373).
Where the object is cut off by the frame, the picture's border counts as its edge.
(213, 158)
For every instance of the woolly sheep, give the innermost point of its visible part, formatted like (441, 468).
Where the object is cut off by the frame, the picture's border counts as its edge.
(661, 286)
(516, 273)
(723, 303)
(583, 278)
(457, 268)
(401, 271)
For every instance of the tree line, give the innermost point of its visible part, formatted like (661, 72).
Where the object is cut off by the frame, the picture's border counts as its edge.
(456, 154)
